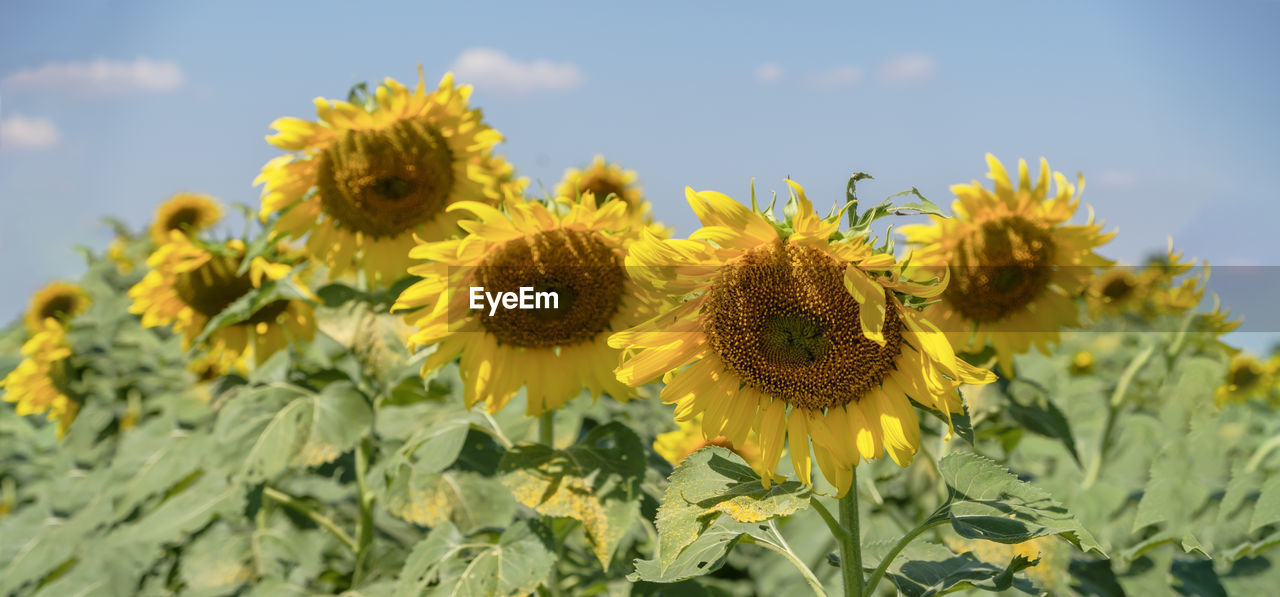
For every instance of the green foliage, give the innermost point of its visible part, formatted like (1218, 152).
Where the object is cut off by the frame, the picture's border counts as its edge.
(988, 502)
(714, 499)
(925, 569)
(595, 481)
(336, 467)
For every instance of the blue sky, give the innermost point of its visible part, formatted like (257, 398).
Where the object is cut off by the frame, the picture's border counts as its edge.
(1168, 108)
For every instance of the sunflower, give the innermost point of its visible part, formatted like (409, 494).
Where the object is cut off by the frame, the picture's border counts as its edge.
(189, 284)
(1014, 262)
(363, 181)
(1246, 378)
(188, 213)
(1117, 290)
(36, 385)
(688, 438)
(603, 179)
(552, 352)
(510, 186)
(793, 335)
(60, 301)
(1152, 290)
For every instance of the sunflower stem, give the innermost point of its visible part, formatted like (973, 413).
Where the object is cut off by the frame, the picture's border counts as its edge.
(1113, 410)
(364, 532)
(547, 437)
(305, 509)
(783, 548)
(547, 429)
(851, 541)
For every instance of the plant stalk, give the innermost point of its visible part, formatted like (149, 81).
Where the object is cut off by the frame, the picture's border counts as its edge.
(902, 543)
(1113, 410)
(547, 429)
(305, 509)
(364, 532)
(851, 541)
(547, 437)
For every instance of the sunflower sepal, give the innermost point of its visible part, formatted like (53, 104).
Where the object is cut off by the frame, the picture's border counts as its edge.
(862, 222)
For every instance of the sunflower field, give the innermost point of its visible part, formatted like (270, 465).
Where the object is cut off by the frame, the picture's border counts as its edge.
(413, 373)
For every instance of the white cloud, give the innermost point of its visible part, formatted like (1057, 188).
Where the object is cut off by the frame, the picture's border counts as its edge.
(100, 77)
(840, 76)
(488, 68)
(769, 72)
(1117, 178)
(908, 69)
(21, 132)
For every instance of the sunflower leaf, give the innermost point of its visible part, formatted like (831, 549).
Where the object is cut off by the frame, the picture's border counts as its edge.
(271, 428)
(713, 491)
(253, 301)
(989, 502)
(596, 481)
(516, 563)
(925, 569)
(1031, 407)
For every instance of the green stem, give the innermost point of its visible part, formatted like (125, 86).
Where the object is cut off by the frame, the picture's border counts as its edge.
(902, 543)
(785, 550)
(305, 509)
(1113, 410)
(837, 531)
(547, 437)
(1261, 453)
(547, 429)
(851, 541)
(364, 532)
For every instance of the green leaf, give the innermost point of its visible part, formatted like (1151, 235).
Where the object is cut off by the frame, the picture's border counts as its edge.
(924, 206)
(218, 558)
(423, 566)
(1267, 510)
(253, 301)
(988, 502)
(924, 569)
(340, 415)
(468, 500)
(851, 194)
(706, 554)
(1031, 407)
(1095, 577)
(516, 564)
(1196, 577)
(596, 481)
(711, 482)
(274, 427)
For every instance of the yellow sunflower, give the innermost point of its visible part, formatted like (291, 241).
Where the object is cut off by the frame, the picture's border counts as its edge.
(789, 333)
(552, 352)
(1246, 378)
(1117, 290)
(189, 284)
(36, 385)
(602, 179)
(1015, 263)
(60, 301)
(687, 438)
(187, 213)
(362, 182)
(510, 186)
